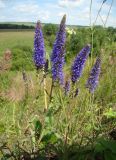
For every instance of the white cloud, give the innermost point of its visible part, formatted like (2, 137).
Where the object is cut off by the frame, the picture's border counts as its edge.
(26, 8)
(2, 4)
(32, 10)
(2, 18)
(77, 11)
(103, 14)
(44, 15)
(111, 21)
(70, 3)
(60, 14)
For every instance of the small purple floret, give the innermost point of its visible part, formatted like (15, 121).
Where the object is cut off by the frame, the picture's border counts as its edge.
(57, 56)
(94, 76)
(79, 63)
(67, 87)
(39, 50)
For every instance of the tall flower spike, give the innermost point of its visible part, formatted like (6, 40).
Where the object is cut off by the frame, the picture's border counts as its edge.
(39, 50)
(67, 87)
(57, 56)
(94, 76)
(79, 63)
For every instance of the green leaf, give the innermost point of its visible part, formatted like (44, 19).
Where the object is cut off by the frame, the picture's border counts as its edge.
(38, 126)
(99, 148)
(111, 145)
(105, 144)
(49, 137)
(109, 155)
(2, 128)
(110, 113)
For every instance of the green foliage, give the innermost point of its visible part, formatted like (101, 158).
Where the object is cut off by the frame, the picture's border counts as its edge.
(5, 80)
(110, 113)
(50, 29)
(106, 148)
(103, 37)
(22, 58)
(76, 42)
(51, 40)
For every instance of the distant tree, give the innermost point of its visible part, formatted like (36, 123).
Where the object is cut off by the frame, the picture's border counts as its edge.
(50, 29)
(15, 26)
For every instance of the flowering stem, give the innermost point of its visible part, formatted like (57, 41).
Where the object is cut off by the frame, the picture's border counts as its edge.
(92, 116)
(45, 94)
(92, 109)
(50, 96)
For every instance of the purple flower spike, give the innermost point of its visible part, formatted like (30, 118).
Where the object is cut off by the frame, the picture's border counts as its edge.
(39, 50)
(57, 56)
(67, 87)
(79, 63)
(94, 76)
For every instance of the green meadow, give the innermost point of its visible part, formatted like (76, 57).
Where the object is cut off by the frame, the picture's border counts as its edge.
(12, 39)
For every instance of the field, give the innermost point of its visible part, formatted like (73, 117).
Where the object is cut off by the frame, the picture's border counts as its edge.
(11, 39)
(73, 127)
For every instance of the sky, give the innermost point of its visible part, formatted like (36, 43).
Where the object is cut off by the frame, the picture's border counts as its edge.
(51, 11)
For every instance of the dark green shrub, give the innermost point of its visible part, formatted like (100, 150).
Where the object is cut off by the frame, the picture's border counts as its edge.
(50, 29)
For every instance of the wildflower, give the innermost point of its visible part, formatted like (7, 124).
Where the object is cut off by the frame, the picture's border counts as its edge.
(94, 76)
(39, 50)
(67, 87)
(57, 56)
(70, 31)
(79, 63)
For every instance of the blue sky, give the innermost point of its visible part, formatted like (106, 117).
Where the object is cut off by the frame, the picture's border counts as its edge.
(51, 11)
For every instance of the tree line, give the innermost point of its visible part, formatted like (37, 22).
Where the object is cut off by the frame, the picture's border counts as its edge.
(16, 26)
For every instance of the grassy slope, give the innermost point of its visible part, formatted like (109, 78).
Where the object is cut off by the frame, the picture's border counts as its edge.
(8, 40)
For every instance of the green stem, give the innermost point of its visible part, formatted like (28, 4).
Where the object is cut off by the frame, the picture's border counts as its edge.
(51, 90)
(92, 117)
(45, 94)
(14, 114)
